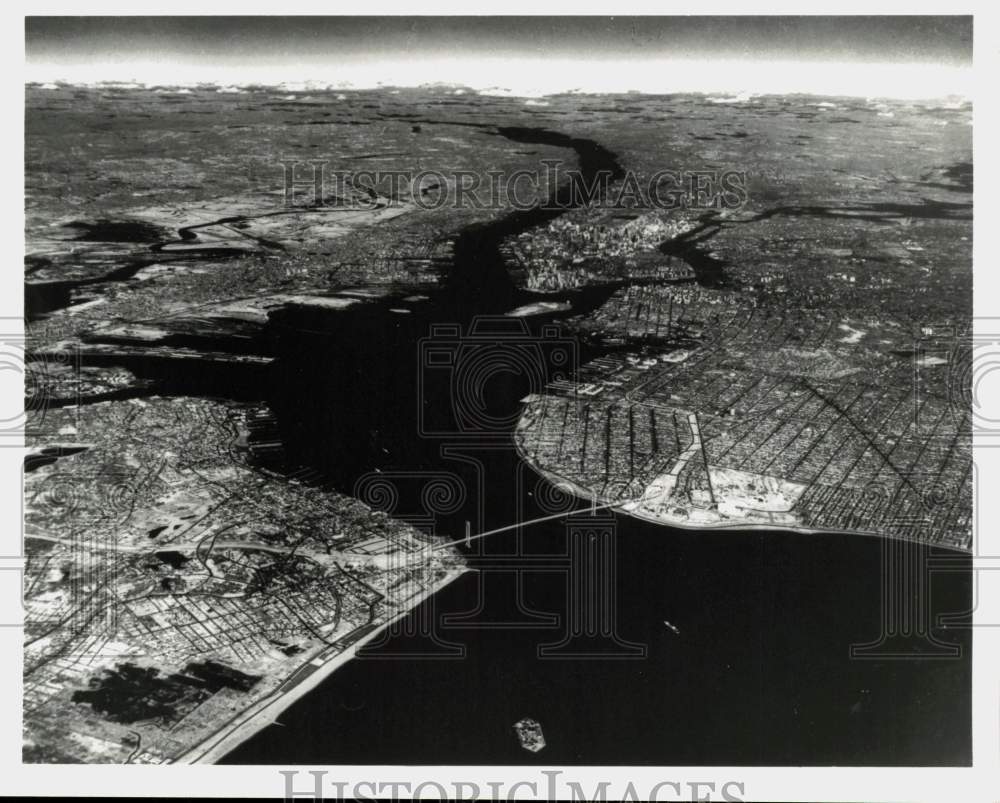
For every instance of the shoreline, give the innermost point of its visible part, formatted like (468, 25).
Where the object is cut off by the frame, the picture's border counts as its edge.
(266, 711)
(621, 508)
(476, 243)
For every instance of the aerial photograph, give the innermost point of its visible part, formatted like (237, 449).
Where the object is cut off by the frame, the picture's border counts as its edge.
(445, 390)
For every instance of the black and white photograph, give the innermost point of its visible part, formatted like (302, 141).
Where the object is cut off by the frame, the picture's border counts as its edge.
(501, 390)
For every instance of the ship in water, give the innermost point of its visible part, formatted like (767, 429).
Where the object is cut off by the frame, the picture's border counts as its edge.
(529, 734)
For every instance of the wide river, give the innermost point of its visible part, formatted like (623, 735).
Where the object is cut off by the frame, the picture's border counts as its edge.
(759, 668)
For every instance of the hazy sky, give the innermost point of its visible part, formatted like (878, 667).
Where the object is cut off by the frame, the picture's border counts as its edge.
(555, 53)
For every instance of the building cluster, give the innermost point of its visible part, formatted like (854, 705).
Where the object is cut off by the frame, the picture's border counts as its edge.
(789, 400)
(596, 246)
(171, 551)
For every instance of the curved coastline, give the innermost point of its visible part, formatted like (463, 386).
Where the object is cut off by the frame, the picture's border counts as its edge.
(267, 711)
(621, 509)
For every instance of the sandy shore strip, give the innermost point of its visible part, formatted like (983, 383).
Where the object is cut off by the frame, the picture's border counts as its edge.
(266, 712)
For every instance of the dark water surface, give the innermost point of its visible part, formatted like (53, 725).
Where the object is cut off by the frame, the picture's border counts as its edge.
(760, 672)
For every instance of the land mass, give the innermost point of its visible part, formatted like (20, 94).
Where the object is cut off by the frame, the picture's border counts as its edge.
(799, 362)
